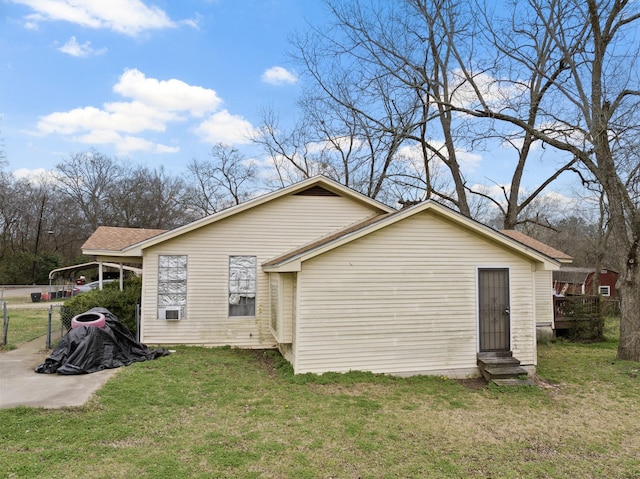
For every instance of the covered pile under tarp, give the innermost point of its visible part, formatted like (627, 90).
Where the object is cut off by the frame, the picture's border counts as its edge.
(88, 349)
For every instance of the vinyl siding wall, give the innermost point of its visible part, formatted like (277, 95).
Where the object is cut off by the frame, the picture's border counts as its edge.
(403, 300)
(544, 297)
(287, 307)
(282, 313)
(265, 231)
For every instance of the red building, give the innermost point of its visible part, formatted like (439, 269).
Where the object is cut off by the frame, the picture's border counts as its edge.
(572, 281)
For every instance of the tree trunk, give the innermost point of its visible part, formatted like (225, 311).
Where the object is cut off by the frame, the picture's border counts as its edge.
(629, 345)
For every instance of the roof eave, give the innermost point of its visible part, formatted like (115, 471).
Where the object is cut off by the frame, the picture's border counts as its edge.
(293, 266)
(547, 262)
(125, 253)
(319, 180)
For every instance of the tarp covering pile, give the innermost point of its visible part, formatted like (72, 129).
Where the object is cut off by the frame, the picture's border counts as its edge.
(88, 349)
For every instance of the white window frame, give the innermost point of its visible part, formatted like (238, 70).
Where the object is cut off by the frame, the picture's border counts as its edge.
(172, 286)
(243, 286)
(605, 290)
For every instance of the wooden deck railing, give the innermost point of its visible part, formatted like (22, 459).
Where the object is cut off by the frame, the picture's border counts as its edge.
(579, 316)
(577, 307)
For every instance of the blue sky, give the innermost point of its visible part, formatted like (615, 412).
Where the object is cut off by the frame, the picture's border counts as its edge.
(158, 82)
(155, 82)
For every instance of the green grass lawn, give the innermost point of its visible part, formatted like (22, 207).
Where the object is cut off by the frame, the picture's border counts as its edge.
(203, 413)
(24, 325)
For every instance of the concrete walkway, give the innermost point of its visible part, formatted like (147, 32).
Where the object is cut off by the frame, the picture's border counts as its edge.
(20, 385)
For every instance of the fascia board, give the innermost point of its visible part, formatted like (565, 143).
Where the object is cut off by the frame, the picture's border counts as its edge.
(478, 228)
(234, 210)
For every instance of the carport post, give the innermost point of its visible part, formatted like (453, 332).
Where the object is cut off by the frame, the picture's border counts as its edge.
(100, 274)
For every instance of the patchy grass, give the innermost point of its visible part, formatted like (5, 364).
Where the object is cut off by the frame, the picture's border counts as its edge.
(24, 325)
(232, 413)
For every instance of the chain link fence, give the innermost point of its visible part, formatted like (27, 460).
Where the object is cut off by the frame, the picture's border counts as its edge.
(51, 322)
(22, 324)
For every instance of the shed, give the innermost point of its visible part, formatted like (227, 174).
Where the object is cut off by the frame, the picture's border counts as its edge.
(572, 281)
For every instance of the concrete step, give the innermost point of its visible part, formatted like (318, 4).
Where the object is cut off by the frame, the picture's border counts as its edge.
(502, 372)
(513, 382)
(498, 361)
(500, 365)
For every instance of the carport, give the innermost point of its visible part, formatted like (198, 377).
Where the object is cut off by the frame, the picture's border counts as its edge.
(100, 265)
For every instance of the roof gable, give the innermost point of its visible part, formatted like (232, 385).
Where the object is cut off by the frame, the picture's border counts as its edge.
(316, 190)
(292, 260)
(326, 240)
(315, 186)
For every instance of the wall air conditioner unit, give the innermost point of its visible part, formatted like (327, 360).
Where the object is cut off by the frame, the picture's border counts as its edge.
(173, 313)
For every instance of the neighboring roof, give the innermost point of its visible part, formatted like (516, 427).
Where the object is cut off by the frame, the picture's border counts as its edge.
(572, 275)
(292, 260)
(538, 246)
(575, 275)
(331, 186)
(111, 238)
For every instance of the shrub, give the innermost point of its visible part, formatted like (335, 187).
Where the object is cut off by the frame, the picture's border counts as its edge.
(588, 323)
(122, 304)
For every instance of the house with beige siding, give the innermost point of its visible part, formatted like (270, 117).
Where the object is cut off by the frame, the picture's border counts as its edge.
(337, 282)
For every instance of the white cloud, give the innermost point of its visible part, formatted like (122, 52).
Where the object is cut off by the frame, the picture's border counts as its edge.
(336, 143)
(168, 95)
(132, 143)
(131, 117)
(279, 76)
(551, 202)
(75, 49)
(154, 105)
(496, 191)
(30, 26)
(123, 143)
(468, 160)
(129, 17)
(223, 127)
(496, 93)
(34, 176)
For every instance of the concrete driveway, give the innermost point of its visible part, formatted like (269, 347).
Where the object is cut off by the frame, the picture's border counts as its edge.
(20, 385)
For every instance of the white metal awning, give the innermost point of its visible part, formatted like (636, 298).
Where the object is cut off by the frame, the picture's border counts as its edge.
(78, 267)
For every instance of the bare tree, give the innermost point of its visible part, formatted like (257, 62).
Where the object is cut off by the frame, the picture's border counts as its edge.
(351, 123)
(106, 191)
(372, 66)
(592, 115)
(142, 198)
(393, 69)
(227, 179)
(88, 179)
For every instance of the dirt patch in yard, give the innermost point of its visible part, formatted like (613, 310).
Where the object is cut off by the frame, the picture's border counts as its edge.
(473, 383)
